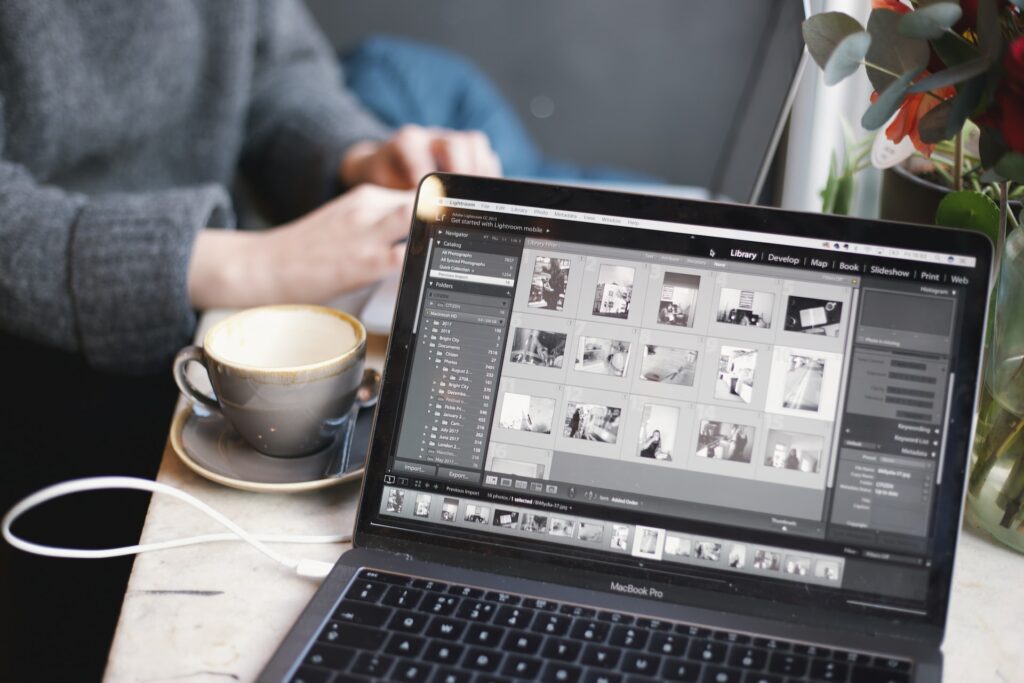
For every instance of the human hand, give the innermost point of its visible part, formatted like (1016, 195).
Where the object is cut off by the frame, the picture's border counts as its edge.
(415, 151)
(343, 245)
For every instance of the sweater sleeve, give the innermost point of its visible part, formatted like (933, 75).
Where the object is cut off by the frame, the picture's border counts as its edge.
(104, 276)
(301, 119)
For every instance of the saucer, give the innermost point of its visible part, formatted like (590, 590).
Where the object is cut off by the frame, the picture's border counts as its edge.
(210, 446)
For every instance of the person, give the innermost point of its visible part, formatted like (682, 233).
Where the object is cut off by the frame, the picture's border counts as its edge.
(125, 130)
(575, 423)
(650, 446)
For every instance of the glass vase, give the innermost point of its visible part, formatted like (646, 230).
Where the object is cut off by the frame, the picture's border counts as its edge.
(995, 494)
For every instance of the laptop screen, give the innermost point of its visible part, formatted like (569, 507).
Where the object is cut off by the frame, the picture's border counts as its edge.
(687, 398)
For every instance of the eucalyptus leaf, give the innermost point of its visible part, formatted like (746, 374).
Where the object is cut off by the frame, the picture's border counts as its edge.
(969, 210)
(953, 75)
(990, 36)
(847, 57)
(823, 32)
(952, 50)
(892, 50)
(930, 21)
(888, 102)
(1011, 167)
(932, 126)
(967, 98)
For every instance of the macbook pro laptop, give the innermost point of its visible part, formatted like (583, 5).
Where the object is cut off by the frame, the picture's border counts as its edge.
(630, 438)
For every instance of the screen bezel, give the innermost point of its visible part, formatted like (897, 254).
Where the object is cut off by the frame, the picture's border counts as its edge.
(372, 528)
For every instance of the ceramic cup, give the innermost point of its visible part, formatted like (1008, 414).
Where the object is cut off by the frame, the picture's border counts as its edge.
(284, 376)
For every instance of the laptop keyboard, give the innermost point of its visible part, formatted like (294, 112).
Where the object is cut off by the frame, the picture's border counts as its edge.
(399, 628)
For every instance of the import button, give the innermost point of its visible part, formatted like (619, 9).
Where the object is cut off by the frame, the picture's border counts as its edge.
(419, 468)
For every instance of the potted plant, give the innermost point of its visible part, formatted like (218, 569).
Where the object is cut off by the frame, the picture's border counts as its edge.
(949, 77)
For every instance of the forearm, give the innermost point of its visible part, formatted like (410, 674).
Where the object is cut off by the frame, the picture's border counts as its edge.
(230, 269)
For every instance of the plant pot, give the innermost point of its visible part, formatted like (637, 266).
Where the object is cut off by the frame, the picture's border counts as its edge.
(907, 197)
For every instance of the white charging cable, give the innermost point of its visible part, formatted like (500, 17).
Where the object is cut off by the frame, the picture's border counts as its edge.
(313, 569)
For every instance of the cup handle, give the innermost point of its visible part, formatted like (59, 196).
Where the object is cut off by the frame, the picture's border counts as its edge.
(187, 355)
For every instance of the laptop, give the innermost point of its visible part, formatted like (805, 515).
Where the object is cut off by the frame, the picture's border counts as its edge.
(631, 438)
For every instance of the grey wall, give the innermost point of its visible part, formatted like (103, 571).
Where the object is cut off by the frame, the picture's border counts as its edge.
(653, 85)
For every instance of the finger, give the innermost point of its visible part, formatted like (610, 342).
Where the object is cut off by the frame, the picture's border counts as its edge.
(485, 161)
(451, 150)
(412, 154)
(395, 225)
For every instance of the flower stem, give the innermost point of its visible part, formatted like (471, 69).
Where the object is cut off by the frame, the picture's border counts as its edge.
(958, 161)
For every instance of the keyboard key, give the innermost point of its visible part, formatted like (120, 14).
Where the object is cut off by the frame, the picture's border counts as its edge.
(560, 673)
(826, 670)
(376, 575)
(590, 631)
(349, 635)
(601, 656)
(519, 666)
(466, 592)
(787, 664)
(678, 670)
(551, 624)
(479, 659)
(514, 617)
(404, 645)
(443, 627)
(629, 636)
(367, 591)
(439, 603)
(370, 664)
(654, 624)
(851, 657)
(693, 631)
(615, 617)
(718, 674)
(668, 644)
(811, 650)
(891, 664)
(753, 677)
(730, 637)
(476, 611)
(708, 651)
(308, 674)
(443, 653)
(488, 678)
(427, 585)
(484, 635)
(541, 604)
(748, 658)
(863, 674)
(408, 622)
(402, 596)
(594, 676)
(451, 676)
(354, 612)
(771, 644)
(641, 663)
(503, 598)
(329, 656)
(411, 672)
(522, 642)
(577, 611)
(562, 650)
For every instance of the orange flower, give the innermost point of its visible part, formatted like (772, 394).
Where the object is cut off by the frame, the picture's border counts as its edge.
(894, 5)
(910, 113)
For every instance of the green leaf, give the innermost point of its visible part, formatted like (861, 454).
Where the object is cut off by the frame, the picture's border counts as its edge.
(847, 57)
(990, 36)
(824, 32)
(953, 75)
(891, 50)
(932, 126)
(969, 210)
(930, 21)
(828, 193)
(952, 50)
(1011, 167)
(966, 100)
(888, 102)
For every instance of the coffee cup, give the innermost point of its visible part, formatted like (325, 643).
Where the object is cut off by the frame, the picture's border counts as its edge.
(284, 376)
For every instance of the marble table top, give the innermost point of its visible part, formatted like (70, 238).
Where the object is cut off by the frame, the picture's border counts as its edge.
(216, 612)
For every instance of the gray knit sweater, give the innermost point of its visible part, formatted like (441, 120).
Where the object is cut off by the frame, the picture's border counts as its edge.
(121, 125)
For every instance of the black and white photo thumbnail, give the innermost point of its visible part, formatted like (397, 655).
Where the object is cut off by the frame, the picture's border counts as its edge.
(647, 542)
(658, 431)
(736, 367)
(527, 413)
(602, 356)
(745, 307)
(678, 302)
(794, 451)
(668, 365)
(614, 291)
(396, 499)
(802, 383)
(725, 441)
(477, 514)
(827, 569)
(620, 537)
(590, 532)
(562, 527)
(549, 282)
(767, 560)
(592, 422)
(508, 519)
(537, 347)
(708, 550)
(738, 556)
(813, 316)
(800, 566)
(677, 546)
(537, 524)
(449, 510)
(422, 507)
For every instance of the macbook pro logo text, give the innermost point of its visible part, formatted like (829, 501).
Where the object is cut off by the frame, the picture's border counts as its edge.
(642, 591)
